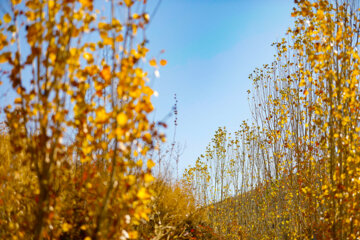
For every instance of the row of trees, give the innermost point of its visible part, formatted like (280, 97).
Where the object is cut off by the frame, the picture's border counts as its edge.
(294, 172)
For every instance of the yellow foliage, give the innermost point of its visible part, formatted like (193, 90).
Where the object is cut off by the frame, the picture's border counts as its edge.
(70, 165)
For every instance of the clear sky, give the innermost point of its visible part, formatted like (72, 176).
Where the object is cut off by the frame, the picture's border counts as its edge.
(211, 47)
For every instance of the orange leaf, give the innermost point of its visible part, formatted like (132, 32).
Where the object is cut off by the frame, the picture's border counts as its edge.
(4, 57)
(87, 3)
(163, 62)
(106, 73)
(16, 2)
(152, 62)
(17, 101)
(128, 2)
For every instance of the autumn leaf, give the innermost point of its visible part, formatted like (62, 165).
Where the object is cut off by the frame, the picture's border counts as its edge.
(133, 235)
(128, 2)
(147, 137)
(148, 178)
(16, 2)
(121, 119)
(87, 3)
(152, 62)
(163, 62)
(143, 194)
(7, 18)
(146, 17)
(150, 164)
(101, 115)
(106, 73)
(88, 57)
(17, 101)
(4, 57)
(66, 227)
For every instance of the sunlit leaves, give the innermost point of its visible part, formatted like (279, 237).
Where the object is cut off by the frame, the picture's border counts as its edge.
(16, 2)
(86, 104)
(163, 62)
(87, 3)
(7, 18)
(296, 162)
(150, 163)
(88, 57)
(106, 73)
(128, 2)
(152, 62)
(121, 119)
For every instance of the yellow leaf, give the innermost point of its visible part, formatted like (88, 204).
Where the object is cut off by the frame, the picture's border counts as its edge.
(163, 62)
(101, 115)
(3, 58)
(66, 227)
(133, 235)
(302, 83)
(106, 73)
(51, 4)
(52, 57)
(131, 180)
(7, 18)
(147, 137)
(135, 16)
(128, 2)
(150, 164)
(119, 38)
(88, 57)
(86, 150)
(16, 2)
(152, 62)
(139, 163)
(87, 238)
(121, 119)
(148, 178)
(146, 17)
(320, 14)
(143, 194)
(17, 101)
(139, 72)
(134, 29)
(87, 3)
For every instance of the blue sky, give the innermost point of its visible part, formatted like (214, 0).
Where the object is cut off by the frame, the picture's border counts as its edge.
(211, 47)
